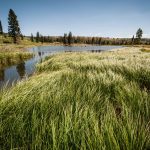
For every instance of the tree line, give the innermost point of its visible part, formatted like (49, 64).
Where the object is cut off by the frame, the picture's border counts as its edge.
(67, 39)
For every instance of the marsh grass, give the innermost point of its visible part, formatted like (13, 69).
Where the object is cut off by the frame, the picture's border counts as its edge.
(8, 58)
(80, 101)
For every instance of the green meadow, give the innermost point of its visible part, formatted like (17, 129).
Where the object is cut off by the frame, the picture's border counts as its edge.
(80, 101)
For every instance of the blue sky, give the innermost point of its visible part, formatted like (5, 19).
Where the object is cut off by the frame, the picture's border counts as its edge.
(106, 18)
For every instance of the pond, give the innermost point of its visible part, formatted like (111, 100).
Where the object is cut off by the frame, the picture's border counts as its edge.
(24, 69)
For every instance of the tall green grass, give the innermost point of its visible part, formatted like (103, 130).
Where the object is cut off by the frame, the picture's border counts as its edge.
(80, 101)
(11, 58)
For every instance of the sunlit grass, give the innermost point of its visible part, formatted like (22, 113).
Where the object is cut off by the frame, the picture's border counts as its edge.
(11, 58)
(80, 101)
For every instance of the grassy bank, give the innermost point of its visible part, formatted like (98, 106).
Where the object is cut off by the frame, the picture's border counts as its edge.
(12, 54)
(80, 101)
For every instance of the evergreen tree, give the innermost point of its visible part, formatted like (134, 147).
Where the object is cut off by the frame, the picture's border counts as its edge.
(37, 37)
(70, 38)
(1, 28)
(100, 40)
(132, 40)
(32, 38)
(65, 40)
(139, 34)
(13, 26)
(93, 40)
(41, 39)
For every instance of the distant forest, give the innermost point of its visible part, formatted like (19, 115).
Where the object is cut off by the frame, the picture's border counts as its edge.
(14, 35)
(68, 40)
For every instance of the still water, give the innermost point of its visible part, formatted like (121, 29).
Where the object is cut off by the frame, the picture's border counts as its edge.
(24, 69)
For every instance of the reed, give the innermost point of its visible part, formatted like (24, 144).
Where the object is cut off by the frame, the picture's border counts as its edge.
(11, 58)
(80, 101)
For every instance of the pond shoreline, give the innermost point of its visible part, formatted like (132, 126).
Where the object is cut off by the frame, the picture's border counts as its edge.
(23, 64)
(13, 58)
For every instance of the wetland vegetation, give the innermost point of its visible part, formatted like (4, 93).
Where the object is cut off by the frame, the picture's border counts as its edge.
(80, 101)
(75, 100)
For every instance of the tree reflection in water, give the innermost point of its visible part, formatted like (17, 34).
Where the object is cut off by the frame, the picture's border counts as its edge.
(39, 53)
(21, 69)
(2, 75)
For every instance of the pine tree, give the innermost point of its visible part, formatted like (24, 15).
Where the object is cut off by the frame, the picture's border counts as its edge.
(13, 26)
(41, 38)
(99, 41)
(139, 34)
(32, 38)
(93, 40)
(37, 37)
(65, 40)
(1, 28)
(70, 38)
(132, 40)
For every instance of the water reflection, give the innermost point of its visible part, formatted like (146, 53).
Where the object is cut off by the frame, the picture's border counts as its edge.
(21, 69)
(2, 75)
(96, 51)
(17, 72)
(39, 53)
